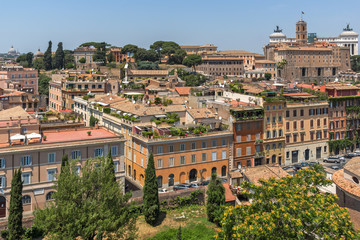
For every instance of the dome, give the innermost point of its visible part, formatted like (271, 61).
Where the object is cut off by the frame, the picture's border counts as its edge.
(349, 34)
(39, 53)
(12, 50)
(277, 35)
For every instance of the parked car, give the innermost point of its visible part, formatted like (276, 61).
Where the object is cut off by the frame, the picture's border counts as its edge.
(357, 153)
(335, 167)
(304, 164)
(288, 167)
(313, 163)
(195, 184)
(350, 155)
(181, 186)
(163, 190)
(297, 166)
(224, 180)
(205, 183)
(334, 159)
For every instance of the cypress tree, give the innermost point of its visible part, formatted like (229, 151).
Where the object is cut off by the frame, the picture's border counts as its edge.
(48, 57)
(178, 235)
(64, 162)
(216, 198)
(151, 195)
(110, 166)
(59, 58)
(16, 207)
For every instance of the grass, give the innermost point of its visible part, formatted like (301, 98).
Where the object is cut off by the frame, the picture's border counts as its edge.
(194, 226)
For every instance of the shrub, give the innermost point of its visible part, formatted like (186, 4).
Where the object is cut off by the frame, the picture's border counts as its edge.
(106, 110)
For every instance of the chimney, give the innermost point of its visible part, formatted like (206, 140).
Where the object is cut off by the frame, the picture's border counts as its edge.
(11, 119)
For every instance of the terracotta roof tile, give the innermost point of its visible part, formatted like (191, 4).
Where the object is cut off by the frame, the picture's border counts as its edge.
(346, 185)
(183, 90)
(254, 174)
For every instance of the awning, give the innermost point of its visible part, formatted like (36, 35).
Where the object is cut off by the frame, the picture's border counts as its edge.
(17, 137)
(33, 135)
(160, 116)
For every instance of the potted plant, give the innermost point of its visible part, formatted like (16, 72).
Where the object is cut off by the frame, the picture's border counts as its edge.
(44, 137)
(89, 133)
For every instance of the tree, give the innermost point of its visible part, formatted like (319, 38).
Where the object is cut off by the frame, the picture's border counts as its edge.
(64, 161)
(82, 60)
(48, 57)
(145, 65)
(267, 76)
(129, 48)
(292, 207)
(59, 59)
(111, 57)
(151, 195)
(178, 234)
(100, 54)
(145, 55)
(39, 63)
(192, 61)
(177, 57)
(25, 60)
(69, 59)
(44, 84)
(93, 120)
(88, 205)
(16, 208)
(29, 58)
(215, 199)
(355, 63)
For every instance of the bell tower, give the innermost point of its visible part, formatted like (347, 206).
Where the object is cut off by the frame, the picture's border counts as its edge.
(301, 32)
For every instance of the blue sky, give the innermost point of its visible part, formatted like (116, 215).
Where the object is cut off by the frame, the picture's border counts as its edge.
(229, 24)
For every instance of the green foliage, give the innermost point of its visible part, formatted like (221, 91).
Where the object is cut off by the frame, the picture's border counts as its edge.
(215, 199)
(281, 65)
(178, 234)
(341, 144)
(355, 63)
(192, 199)
(111, 57)
(87, 204)
(59, 59)
(191, 79)
(177, 57)
(100, 54)
(151, 195)
(320, 95)
(39, 64)
(16, 207)
(69, 60)
(82, 60)
(237, 87)
(64, 162)
(93, 120)
(145, 65)
(353, 109)
(107, 110)
(192, 61)
(157, 100)
(267, 76)
(44, 84)
(129, 48)
(33, 233)
(25, 60)
(48, 57)
(196, 231)
(292, 207)
(170, 49)
(146, 55)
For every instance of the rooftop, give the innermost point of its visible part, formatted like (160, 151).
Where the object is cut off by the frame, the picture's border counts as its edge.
(254, 174)
(183, 90)
(15, 113)
(346, 185)
(149, 72)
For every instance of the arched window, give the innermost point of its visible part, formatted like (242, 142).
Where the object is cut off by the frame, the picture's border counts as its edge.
(223, 171)
(273, 158)
(193, 175)
(134, 174)
(129, 170)
(49, 196)
(159, 181)
(171, 180)
(213, 170)
(26, 199)
(355, 180)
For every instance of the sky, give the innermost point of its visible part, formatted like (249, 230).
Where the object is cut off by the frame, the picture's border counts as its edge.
(229, 24)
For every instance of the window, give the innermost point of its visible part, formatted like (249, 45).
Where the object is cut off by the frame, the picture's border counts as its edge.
(171, 161)
(26, 178)
(280, 133)
(75, 154)
(238, 127)
(280, 119)
(295, 125)
(193, 145)
(134, 159)
(280, 145)
(238, 138)
(193, 158)
(267, 120)
(223, 154)
(267, 108)
(2, 181)
(159, 149)
(301, 112)
(311, 123)
(280, 107)
(273, 119)
(274, 134)
(248, 150)
(287, 154)
(182, 147)
(238, 152)
(248, 137)
(214, 143)
(98, 152)
(134, 143)
(268, 134)
(114, 150)
(26, 160)
(182, 160)
(159, 163)
(325, 122)
(51, 174)
(223, 171)
(26, 200)
(203, 144)
(318, 135)
(318, 123)
(171, 148)
(2, 162)
(287, 126)
(51, 157)
(142, 161)
(287, 138)
(302, 124)
(203, 157)
(213, 156)
(295, 137)
(223, 141)
(49, 196)
(294, 113)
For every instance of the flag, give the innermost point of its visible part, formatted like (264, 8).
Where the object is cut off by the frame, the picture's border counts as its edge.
(302, 13)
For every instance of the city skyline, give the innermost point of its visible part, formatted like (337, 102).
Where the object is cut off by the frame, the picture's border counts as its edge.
(120, 23)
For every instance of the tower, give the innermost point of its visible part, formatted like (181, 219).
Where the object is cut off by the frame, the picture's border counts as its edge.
(301, 32)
